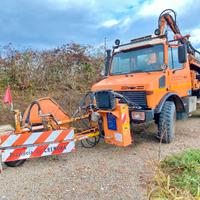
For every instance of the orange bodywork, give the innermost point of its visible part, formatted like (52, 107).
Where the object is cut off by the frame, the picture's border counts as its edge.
(47, 106)
(118, 134)
(46, 114)
(178, 81)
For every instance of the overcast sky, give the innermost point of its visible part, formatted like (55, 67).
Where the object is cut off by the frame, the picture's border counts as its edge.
(44, 24)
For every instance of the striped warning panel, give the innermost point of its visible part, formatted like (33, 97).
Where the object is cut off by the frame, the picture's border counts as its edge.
(16, 140)
(123, 118)
(36, 151)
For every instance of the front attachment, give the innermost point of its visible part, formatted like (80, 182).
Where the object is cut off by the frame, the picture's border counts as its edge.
(116, 120)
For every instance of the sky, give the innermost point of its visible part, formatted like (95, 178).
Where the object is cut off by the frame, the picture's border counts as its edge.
(46, 24)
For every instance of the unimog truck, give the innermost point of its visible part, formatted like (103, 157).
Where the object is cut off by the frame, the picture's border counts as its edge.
(159, 75)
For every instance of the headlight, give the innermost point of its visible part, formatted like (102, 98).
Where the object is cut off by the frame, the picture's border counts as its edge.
(140, 116)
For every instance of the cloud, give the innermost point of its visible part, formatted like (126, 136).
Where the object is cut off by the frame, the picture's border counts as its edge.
(126, 22)
(195, 37)
(155, 7)
(69, 4)
(50, 23)
(110, 23)
(122, 24)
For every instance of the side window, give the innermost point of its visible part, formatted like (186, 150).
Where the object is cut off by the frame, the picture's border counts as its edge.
(173, 59)
(170, 63)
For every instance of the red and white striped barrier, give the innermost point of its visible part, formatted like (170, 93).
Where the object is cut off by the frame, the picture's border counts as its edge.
(37, 151)
(14, 140)
(39, 144)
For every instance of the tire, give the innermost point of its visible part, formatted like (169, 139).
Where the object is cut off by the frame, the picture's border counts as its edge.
(16, 163)
(166, 122)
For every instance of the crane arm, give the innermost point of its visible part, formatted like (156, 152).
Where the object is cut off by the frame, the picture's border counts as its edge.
(166, 19)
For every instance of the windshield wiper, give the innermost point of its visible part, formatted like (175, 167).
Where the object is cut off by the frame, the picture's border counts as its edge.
(138, 71)
(118, 73)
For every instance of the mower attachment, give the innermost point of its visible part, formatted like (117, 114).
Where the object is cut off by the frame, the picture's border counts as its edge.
(45, 129)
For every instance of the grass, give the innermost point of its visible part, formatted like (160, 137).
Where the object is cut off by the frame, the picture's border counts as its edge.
(178, 177)
(185, 170)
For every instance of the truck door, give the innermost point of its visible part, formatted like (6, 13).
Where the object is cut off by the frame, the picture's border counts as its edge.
(180, 80)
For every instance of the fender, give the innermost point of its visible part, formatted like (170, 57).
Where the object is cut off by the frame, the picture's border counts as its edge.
(171, 97)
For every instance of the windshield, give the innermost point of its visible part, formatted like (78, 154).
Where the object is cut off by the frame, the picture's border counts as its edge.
(147, 59)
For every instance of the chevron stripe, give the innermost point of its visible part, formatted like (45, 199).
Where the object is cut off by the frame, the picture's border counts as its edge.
(36, 138)
(9, 155)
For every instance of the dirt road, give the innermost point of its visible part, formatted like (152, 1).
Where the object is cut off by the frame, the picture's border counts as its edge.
(105, 172)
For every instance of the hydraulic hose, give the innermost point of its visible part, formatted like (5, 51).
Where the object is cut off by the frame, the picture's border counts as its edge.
(83, 102)
(87, 143)
(191, 49)
(129, 103)
(27, 121)
(165, 12)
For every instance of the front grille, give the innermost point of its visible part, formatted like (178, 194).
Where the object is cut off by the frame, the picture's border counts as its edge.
(138, 97)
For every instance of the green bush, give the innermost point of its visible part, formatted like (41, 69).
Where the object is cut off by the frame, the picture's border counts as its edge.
(65, 74)
(71, 66)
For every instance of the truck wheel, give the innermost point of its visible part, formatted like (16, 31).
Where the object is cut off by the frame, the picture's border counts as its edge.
(16, 163)
(166, 123)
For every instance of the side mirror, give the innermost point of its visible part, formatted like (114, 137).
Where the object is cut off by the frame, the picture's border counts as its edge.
(107, 62)
(182, 54)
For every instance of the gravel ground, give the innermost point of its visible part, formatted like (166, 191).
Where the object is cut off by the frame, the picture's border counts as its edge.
(104, 172)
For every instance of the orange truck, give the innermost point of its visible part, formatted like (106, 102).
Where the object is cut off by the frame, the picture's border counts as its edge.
(158, 77)
(148, 79)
